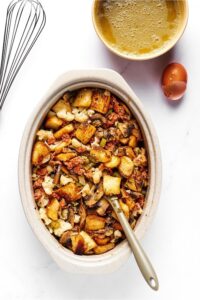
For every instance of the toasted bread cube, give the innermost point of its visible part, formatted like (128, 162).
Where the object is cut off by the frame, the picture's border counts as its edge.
(85, 132)
(78, 244)
(111, 185)
(127, 198)
(102, 242)
(52, 209)
(53, 123)
(71, 192)
(100, 101)
(126, 166)
(97, 174)
(113, 163)
(94, 222)
(66, 156)
(129, 152)
(124, 208)
(89, 242)
(124, 141)
(104, 248)
(131, 184)
(132, 141)
(40, 153)
(83, 98)
(66, 129)
(62, 105)
(51, 114)
(136, 132)
(130, 203)
(100, 155)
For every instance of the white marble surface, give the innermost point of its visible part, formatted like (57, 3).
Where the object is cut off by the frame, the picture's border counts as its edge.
(173, 241)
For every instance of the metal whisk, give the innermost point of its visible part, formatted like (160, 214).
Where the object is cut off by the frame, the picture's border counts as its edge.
(24, 23)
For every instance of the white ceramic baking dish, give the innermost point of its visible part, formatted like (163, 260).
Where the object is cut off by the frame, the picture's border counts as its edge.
(102, 78)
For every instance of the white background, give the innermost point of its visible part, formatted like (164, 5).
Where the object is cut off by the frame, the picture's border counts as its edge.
(173, 241)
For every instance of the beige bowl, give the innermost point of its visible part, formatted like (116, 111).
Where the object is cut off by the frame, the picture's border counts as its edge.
(150, 55)
(70, 81)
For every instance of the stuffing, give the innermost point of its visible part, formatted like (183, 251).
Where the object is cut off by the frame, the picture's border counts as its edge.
(88, 151)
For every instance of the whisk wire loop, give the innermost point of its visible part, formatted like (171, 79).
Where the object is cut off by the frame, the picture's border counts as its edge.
(25, 21)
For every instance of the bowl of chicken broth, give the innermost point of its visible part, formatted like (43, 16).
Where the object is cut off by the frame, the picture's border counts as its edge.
(140, 29)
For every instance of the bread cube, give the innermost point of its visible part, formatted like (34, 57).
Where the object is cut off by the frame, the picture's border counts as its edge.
(100, 155)
(104, 248)
(66, 129)
(94, 222)
(129, 152)
(83, 98)
(62, 105)
(111, 185)
(131, 184)
(102, 241)
(113, 163)
(66, 156)
(130, 203)
(126, 166)
(40, 154)
(71, 192)
(53, 123)
(89, 242)
(124, 208)
(52, 209)
(132, 141)
(85, 132)
(100, 101)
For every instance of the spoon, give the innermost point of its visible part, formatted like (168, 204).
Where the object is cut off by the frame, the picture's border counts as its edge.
(141, 258)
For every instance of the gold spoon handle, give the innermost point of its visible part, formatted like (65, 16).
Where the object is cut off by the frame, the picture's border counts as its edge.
(141, 258)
